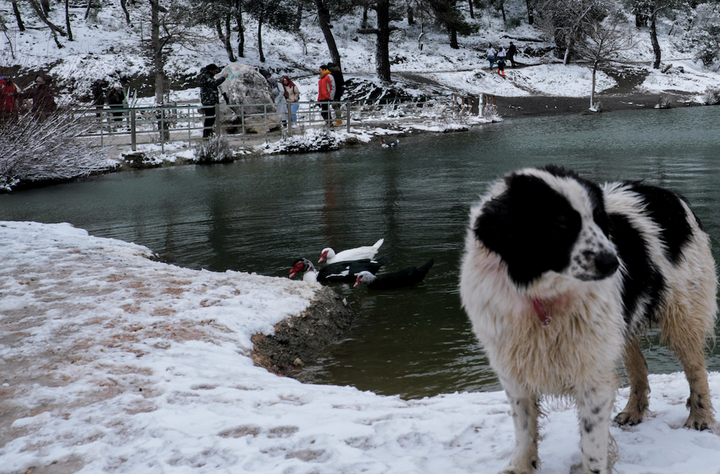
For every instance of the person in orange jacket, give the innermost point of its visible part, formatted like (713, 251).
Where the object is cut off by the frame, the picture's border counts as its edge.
(326, 92)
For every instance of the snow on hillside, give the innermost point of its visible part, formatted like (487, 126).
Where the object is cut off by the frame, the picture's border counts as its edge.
(111, 362)
(110, 49)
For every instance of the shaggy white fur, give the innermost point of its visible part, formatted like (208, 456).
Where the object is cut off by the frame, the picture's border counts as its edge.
(563, 332)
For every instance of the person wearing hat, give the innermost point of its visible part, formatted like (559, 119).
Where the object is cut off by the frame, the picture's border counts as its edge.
(98, 94)
(116, 100)
(42, 99)
(326, 92)
(339, 91)
(277, 93)
(209, 95)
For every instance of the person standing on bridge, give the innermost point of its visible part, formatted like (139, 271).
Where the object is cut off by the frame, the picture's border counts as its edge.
(339, 91)
(326, 93)
(209, 96)
(292, 96)
(116, 100)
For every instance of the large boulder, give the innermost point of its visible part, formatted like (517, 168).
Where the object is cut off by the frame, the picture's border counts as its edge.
(244, 86)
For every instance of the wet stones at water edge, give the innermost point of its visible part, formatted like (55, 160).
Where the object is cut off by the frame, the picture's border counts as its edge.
(300, 339)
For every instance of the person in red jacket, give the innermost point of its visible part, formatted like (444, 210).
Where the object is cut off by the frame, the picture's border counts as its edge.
(326, 91)
(8, 100)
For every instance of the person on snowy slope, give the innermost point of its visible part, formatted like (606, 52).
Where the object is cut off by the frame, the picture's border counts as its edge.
(491, 55)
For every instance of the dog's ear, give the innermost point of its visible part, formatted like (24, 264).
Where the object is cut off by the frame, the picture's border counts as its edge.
(530, 226)
(491, 226)
(506, 217)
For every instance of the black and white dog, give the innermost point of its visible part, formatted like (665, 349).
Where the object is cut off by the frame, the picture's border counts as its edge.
(560, 275)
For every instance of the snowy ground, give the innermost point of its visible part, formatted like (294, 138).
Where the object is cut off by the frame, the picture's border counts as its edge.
(112, 362)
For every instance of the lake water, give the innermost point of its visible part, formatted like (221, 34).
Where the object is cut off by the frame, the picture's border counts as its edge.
(259, 214)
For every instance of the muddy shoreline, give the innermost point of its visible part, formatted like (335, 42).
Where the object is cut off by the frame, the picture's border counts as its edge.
(301, 338)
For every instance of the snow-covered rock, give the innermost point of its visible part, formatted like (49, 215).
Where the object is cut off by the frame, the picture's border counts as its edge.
(247, 89)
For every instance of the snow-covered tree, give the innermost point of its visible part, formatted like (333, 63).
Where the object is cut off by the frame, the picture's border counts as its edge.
(326, 12)
(651, 9)
(602, 42)
(567, 21)
(447, 14)
(382, 43)
(280, 14)
(32, 150)
(703, 35)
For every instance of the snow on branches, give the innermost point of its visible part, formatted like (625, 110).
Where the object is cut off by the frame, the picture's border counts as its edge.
(33, 150)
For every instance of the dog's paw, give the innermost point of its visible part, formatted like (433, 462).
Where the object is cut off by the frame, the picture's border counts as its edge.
(628, 418)
(513, 468)
(699, 423)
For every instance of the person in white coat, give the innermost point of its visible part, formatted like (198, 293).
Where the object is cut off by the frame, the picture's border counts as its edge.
(292, 96)
(277, 93)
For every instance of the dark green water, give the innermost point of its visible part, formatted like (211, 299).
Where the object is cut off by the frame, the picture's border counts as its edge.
(259, 214)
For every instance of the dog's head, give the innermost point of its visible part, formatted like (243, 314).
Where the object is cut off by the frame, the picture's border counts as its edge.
(547, 220)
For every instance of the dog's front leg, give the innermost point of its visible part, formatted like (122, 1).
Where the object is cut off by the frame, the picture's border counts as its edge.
(594, 409)
(525, 413)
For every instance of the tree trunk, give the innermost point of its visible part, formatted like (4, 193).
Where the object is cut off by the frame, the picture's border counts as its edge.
(566, 56)
(157, 47)
(45, 6)
(453, 39)
(41, 15)
(382, 51)
(157, 52)
(531, 17)
(67, 20)
(363, 23)
(502, 9)
(87, 10)
(298, 16)
(472, 10)
(324, 20)
(654, 40)
(592, 89)
(225, 37)
(259, 36)
(241, 28)
(18, 18)
(123, 4)
(410, 15)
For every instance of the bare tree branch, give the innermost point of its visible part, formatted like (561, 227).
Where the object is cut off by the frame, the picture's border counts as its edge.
(38, 9)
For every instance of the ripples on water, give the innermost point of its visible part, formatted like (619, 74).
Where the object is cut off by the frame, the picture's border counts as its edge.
(258, 215)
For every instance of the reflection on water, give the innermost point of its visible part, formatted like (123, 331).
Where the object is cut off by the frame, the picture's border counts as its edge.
(258, 215)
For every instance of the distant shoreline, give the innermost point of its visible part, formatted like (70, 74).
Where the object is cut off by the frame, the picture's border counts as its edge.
(538, 106)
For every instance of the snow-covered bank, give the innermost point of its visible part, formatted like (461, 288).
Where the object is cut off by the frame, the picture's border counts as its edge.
(112, 362)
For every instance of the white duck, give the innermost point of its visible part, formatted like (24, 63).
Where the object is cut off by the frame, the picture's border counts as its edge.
(358, 253)
(389, 144)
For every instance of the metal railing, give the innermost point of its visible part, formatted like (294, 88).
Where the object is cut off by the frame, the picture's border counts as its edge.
(135, 125)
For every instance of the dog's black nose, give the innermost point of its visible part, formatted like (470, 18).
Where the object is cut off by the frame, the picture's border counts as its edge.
(606, 263)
